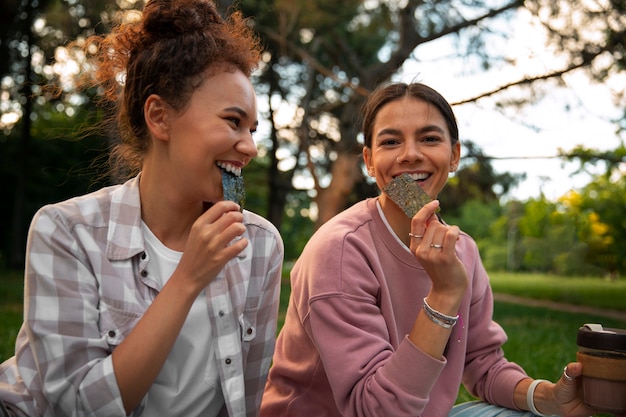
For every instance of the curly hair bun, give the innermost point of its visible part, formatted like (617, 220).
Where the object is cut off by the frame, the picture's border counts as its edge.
(170, 19)
(168, 52)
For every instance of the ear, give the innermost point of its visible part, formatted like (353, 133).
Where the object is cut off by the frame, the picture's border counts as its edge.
(456, 156)
(156, 113)
(367, 158)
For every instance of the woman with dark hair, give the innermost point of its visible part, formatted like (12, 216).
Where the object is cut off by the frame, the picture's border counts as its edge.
(156, 297)
(391, 309)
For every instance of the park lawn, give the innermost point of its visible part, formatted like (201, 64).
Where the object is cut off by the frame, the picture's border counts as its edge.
(593, 292)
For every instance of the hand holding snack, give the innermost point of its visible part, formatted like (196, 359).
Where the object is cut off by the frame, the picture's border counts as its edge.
(432, 242)
(213, 242)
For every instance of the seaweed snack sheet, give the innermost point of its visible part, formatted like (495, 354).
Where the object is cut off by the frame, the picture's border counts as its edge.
(407, 194)
(233, 188)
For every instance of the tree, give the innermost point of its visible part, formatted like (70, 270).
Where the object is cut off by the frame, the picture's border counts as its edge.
(28, 42)
(323, 59)
(476, 181)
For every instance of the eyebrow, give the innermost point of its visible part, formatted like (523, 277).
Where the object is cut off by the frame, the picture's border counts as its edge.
(425, 129)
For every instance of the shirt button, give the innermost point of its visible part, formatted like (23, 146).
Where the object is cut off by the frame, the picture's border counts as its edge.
(144, 273)
(143, 255)
(221, 313)
(111, 333)
(227, 361)
(249, 331)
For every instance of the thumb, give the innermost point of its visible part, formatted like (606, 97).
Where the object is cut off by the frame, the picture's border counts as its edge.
(571, 372)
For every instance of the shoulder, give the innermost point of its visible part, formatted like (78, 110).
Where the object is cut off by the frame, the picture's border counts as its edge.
(467, 245)
(338, 259)
(260, 228)
(110, 214)
(257, 221)
(88, 209)
(353, 220)
(468, 253)
(344, 240)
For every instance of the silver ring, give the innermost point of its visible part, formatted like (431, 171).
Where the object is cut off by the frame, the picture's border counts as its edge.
(434, 245)
(416, 236)
(566, 376)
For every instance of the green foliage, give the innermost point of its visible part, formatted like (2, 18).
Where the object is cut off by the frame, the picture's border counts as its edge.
(602, 204)
(473, 215)
(297, 227)
(60, 163)
(581, 234)
(475, 180)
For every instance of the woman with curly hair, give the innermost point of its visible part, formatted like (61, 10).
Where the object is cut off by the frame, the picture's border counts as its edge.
(157, 296)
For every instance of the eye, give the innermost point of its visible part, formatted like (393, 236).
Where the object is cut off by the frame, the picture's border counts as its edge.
(234, 120)
(390, 141)
(432, 139)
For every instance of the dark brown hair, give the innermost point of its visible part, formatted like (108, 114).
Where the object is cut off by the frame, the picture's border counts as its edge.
(167, 52)
(395, 91)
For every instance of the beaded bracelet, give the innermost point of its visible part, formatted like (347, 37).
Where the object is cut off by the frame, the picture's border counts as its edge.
(441, 319)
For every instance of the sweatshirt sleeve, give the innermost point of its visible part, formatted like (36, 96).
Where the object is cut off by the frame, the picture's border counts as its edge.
(367, 375)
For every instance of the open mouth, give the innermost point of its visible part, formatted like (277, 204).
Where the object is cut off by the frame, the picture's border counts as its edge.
(224, 166)
(416, 176)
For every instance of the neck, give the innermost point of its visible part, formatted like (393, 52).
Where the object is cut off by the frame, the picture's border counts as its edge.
(168, 218)
(396, 218)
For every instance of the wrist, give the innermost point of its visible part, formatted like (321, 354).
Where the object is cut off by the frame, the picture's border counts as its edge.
(532, 398)
(437, 317)
(445, 303)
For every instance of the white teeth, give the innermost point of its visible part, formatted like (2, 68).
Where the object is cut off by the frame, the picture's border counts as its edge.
(417, 177)
(230, 168)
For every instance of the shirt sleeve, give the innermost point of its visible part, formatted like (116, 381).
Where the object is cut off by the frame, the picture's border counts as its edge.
(62, 316)
(262, 342)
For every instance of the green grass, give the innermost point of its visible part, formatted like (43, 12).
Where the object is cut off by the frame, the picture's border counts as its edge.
(541, 340)
(593, 292)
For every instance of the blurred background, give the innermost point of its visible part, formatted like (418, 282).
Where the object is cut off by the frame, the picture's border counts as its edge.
(538, 87)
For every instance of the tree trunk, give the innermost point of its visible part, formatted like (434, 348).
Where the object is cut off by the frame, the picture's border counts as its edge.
(334, 198)
(16, 256)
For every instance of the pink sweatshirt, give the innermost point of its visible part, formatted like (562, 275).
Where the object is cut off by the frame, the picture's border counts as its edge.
(344, 351)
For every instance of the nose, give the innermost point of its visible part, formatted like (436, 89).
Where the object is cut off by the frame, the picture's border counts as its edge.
(247, 146)
(410, 153)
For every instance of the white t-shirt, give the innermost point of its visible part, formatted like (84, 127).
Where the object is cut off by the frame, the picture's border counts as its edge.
(188, 384)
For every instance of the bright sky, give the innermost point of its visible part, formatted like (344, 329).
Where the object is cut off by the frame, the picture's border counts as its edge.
(539, 130)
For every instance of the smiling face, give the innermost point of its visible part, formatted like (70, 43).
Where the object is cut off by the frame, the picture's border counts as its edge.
(411, 136)
(213, 132)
